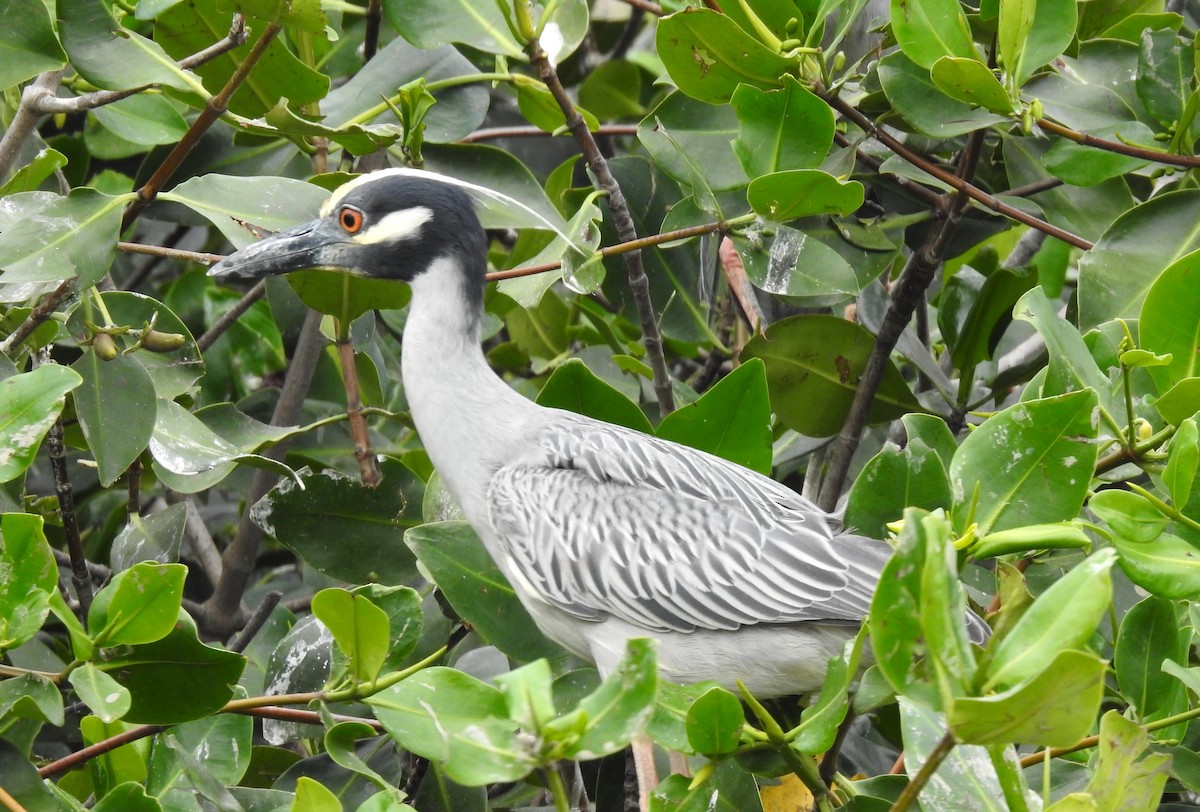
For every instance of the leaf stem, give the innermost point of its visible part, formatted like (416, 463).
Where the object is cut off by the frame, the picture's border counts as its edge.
(1164, 508)
(1011, 780)
(558, 790)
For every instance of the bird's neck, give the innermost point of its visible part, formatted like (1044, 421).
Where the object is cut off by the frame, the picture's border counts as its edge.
(469, 420)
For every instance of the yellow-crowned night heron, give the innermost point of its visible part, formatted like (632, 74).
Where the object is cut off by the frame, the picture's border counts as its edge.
(606, 534)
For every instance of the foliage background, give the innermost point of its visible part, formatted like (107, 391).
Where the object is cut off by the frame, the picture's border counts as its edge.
(942, 255)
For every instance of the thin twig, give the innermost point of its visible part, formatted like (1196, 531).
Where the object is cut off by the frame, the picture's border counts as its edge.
(639, 285)
(1158, 156)
(36, 316)
(256, 621)
(230, 316)
(1030, 189)
(26, 118)
(81, 576)
(364, 451)
(935, 759)
(924, 194)
(162, 252)
(216, 107)
(950, 179)
(9, 802)
(907, 294)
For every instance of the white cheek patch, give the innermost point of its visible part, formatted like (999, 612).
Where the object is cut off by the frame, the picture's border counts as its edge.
(394, 227)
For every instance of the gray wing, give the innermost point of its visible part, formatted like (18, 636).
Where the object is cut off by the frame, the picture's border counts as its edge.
(606, 521)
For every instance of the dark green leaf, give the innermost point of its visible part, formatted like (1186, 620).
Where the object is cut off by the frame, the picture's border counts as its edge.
(156, 537)
(128, 797)
(780, 130)
(614, 90)
(28, 42)
(299, 15)
(728, 789)
(895, 616)
(1165, 74)
(111, 56)
(932, 431)
(694, 143)
(402, 606)
(116, 408)
(965, 780)
(927, 30)
(272, 204)
(1003, 470)
(1180, 472)
(796, 263)
(477, 590)
(369, 522)
(1149, 634)
(176, 679)
(731, 420)
(429, 23)
(30, 696)
(346, 296)
(813, 366)
(988, 313)
(1048, 34)
(144, 119)
(620, 707)
(708, 55)
(1116, 275)
(221, 742)
(46, 238)
(575, 388)
(892, 480)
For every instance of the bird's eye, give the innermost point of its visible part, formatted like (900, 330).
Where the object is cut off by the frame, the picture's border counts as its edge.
(350, 219)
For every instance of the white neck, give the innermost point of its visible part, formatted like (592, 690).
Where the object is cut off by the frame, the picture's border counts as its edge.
(469, 420)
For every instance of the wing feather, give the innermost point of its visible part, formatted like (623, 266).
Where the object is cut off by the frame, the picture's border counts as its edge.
(606, 521)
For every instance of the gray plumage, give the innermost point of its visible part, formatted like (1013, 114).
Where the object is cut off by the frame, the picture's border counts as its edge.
(604, 533)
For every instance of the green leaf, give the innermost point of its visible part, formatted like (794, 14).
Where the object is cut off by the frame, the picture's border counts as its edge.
(1149, 634)
(30, 576)
(895, 616)
(28, 44)
(29, 405)
(714, 722)
(621, 706)
(813, 366)
(111, 56)
(966, 779)
(1062, 618)
(334, 506)
(156, 537)
(30, 696)
(729, 789)
(140, 605)
(359, 628)
(527, 692)
(1166, 65)
(47, 238)
(106, 698)
(175, 679)
(928, 30)
(298, 15)
(313, 796)
(1055, 708)
(731, 420)
(272, 204)
(893, 480)
(187, 28)
(1003, 470)
(796, 263)
(1117, 274)
(780, 130)
(1031, 537)
(707, 56)
(911, 90)
(402, 605)
(1167, 566)
(1127, 777)
(933, 431)
(820, 721)
(575, 388)
(450, 717)
(129, 796)
(1039, 42)
(341, 742)
(694, 143)
(144, 119)
(116, 407)
(30, 176)
(1131, 516)
(783, 196)
(478, 591)
(971, 82)
(222, 743)
(614, 90)
(1072, 366)
(1184, 453)
(346, 296)
(429, 23)
(1169, 323)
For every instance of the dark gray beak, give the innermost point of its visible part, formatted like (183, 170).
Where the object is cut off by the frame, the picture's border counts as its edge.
(292, 250)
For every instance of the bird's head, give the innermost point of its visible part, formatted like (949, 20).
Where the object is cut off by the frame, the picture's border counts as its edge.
(391, 224)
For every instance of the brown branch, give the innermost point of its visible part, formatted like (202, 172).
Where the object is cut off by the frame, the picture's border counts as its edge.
(256, 621)
(639, 285)
(918, 782)
(907, 295)
(222, 613)
(26, 118)
(924, 194)
(950, 179)
(364, 451)
(198, 257)
(36, 316)
(230, 316)
(216, 107)
(1030, 189)
(81, 577)
(1158, 156)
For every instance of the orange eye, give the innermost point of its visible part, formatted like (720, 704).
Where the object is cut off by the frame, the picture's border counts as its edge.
(350, 219)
